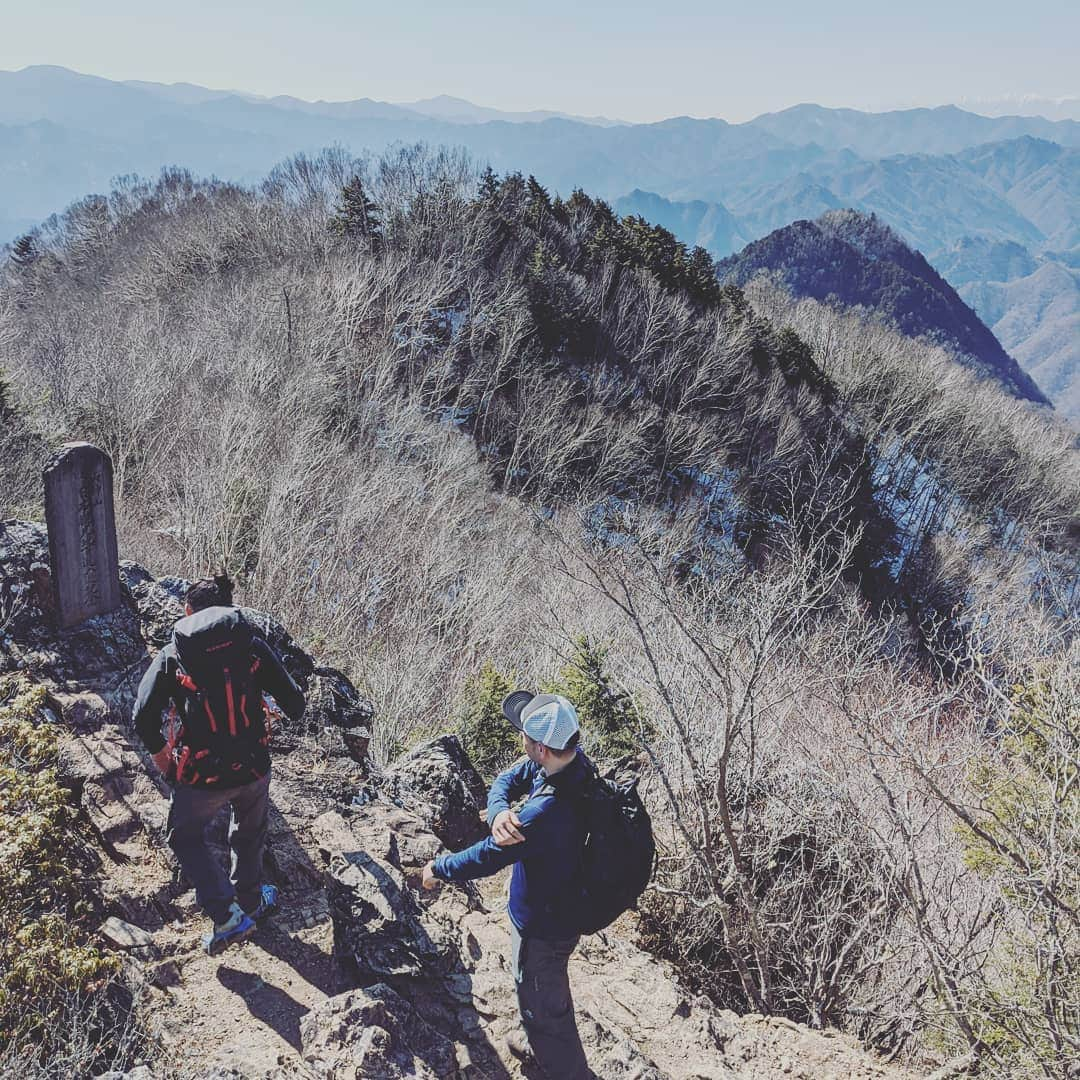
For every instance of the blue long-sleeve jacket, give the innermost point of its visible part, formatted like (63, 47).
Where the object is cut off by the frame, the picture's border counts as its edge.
(543, 889)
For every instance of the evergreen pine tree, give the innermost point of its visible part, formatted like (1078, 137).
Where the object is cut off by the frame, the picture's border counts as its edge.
(537, 202)
(24, 251)
(608, 714)
(489, 185)
(491, 743)
(357, 216)
(701, 277)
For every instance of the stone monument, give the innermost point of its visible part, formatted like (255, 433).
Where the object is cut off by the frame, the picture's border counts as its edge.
(82, 533)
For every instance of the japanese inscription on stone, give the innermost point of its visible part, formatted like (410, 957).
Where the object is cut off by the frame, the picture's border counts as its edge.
(82, 533)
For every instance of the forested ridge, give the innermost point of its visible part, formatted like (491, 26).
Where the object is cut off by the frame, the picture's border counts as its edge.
(855, 260)
(444, 422)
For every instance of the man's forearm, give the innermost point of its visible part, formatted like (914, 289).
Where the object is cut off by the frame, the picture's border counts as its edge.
(483, 859)
(275, 680)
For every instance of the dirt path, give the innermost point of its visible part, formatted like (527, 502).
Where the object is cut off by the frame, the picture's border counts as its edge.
(240, 1010)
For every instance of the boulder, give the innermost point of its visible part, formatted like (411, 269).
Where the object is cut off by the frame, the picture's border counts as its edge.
(374, 1032)
(333, 701)
(124, 935)
(158, 601)
(376, 916)
(437, 782)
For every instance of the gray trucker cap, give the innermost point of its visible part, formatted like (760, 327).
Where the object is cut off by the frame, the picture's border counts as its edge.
(546, 718)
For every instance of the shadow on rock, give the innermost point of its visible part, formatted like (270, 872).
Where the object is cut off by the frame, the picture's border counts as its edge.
(269, 1004)
(311, 963)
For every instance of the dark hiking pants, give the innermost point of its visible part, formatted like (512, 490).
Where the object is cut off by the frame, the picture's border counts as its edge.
(190, 813)
(547, 1009)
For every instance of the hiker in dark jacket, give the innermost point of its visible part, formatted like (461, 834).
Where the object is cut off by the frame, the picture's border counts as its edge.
(217, 752)
(544, 842)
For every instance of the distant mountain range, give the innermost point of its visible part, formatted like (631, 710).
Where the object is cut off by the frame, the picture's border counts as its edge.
(1062, 108)
(1000, 221)
(442, 107)
(944, 178)
(855, 260)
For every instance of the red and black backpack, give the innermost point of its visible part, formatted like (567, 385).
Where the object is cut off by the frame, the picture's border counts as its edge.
(222, 739)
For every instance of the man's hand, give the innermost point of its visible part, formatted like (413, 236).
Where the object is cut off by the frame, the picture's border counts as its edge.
(506, 829)
(163, 761)
(429, 880)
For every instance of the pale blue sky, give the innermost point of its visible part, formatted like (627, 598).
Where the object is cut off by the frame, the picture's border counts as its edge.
(631, 60)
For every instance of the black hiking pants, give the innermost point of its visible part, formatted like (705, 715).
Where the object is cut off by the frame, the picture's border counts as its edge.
(190, 813)
(547, 1009)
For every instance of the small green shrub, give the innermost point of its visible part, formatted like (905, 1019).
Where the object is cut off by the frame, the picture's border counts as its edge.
(609, 716)
(1024, 835)
(46, 962)
(488, 739)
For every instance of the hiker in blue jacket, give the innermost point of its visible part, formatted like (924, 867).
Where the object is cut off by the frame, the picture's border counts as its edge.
(543, 841)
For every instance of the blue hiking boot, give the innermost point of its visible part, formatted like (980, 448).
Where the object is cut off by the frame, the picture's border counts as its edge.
(238, 926)
(268, 901)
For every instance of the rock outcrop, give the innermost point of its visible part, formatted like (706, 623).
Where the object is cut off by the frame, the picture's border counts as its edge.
(93, 669)
(438, 783)
(374, 1032)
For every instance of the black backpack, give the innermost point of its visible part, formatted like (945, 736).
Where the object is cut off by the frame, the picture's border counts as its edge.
(619, 852)
(223, 738)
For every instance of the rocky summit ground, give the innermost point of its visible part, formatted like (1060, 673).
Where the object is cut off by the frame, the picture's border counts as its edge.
(362, 973)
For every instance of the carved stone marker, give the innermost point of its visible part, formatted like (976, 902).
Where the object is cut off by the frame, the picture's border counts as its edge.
(82, 533)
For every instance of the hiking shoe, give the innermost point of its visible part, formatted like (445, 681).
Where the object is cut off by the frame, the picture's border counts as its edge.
(268, 900)
(517, 1044)
(238, 926)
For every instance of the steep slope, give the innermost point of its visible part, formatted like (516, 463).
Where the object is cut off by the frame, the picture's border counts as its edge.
(987, 215)
(857, 261)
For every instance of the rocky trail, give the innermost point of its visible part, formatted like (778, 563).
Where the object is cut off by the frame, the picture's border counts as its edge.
(361, 974)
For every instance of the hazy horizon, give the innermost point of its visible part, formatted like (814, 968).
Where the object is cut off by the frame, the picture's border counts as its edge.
(1024, 104)
(626, 61)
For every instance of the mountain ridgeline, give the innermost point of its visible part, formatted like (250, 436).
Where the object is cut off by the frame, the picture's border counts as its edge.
(593, 360)
(855, 260)
(942, 178)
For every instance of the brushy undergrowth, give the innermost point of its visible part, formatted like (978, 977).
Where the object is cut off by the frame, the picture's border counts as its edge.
(1026, 841)
(63, 1007)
